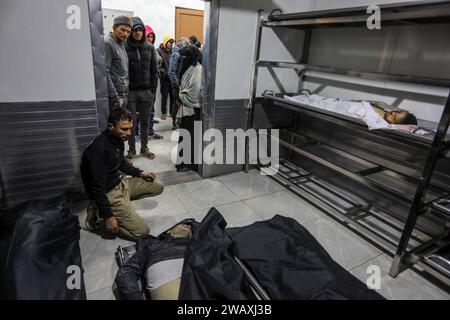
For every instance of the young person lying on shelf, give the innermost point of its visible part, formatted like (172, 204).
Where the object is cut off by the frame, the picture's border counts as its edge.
(375, 114)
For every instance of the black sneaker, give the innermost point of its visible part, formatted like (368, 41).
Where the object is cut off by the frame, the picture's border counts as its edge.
(184, 168)
(92, 221)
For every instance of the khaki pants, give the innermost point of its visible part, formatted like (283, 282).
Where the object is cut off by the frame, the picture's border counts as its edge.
(131, 225)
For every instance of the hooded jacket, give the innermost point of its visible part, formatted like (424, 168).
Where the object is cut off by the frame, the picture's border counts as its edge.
(143, 70)
(149, 30)
(165, 56)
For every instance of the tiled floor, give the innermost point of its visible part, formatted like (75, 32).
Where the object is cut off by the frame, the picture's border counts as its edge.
(243, 199)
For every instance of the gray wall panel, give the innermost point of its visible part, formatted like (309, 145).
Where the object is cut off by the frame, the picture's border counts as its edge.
(42, 150)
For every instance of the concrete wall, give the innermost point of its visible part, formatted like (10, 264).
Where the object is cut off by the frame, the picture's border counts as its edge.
(159, 14)
(420, 50)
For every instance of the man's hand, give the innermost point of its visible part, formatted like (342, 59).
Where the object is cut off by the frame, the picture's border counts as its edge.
(117, 103)
(148, 176)
(112, 225)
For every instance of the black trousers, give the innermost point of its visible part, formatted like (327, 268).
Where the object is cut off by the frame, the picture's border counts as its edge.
(187, 123)
(166, 91)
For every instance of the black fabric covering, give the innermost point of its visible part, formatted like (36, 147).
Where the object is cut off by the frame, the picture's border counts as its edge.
(281, 254)
(289, 263)
(209, 270)
(39, 240)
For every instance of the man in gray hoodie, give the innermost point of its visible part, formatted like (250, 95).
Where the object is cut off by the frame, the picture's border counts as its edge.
(116, 63)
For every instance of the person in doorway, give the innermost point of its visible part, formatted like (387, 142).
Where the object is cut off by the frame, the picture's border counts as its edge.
(103, 170)
(150, 35)
(164, 51)
(189, 101)
(143, 83)
(174, 74)
(116, 63)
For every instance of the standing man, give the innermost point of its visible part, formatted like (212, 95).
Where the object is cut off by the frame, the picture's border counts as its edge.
(164, 52)
(109, 190)
(174, 77)
(117, 63)
(143, 82)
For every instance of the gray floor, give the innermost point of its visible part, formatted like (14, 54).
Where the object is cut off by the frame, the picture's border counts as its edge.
(242, 199)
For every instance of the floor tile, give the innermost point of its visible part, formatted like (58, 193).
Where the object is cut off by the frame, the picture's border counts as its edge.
(286, 204)
(203, 194)
(99, 263)
(103, 294)
(344, 247)
(408, 285)
(249, 185)
(165, 205)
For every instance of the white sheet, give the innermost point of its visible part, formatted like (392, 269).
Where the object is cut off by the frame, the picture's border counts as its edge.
(360, 110)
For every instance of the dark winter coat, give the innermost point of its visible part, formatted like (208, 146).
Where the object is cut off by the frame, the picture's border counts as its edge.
(143, 70)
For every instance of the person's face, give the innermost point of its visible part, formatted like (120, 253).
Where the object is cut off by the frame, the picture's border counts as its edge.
(122, 32)
(121, 129)
(150, 37)
(137, 34)
(395, 117)
(169, 44)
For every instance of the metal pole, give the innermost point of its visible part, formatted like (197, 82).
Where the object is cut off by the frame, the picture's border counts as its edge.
(435, 151)
(251, 101)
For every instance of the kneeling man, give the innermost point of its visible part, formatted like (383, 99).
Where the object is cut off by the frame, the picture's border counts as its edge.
(103, 169)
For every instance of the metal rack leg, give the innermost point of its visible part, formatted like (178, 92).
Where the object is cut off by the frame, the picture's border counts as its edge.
(433, 155)
(251, 102)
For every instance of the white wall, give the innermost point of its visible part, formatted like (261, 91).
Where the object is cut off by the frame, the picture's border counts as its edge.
(158, 14)
(109, 15)
(402, 55)
(53, 65)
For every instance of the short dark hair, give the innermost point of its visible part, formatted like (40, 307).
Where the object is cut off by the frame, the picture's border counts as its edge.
(409, 119)
(119, 115)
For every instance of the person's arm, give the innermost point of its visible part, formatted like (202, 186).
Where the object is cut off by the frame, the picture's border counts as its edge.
(402, 127)
(129, 275)
(173, 70)
(96, 186)
(153, 71)
(128, 168)
(112, 93)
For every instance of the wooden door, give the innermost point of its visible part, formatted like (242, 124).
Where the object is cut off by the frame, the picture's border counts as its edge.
(188, 22)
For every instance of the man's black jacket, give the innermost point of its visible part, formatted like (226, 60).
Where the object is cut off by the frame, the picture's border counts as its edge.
(100, 166)
(143, 68)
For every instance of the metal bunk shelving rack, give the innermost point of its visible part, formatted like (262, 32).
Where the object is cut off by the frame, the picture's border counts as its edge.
(411, 246)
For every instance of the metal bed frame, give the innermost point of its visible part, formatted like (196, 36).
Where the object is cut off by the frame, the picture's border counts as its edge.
(400, 237)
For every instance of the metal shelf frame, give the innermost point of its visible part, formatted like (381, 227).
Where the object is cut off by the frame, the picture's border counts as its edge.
(420, 12)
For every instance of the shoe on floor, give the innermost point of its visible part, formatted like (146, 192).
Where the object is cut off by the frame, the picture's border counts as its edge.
(183, 168)
(148, 154)
(130, 155)
(155, 136)
(175, 127)
(92, 220)
(163, 117)
(155, 121)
